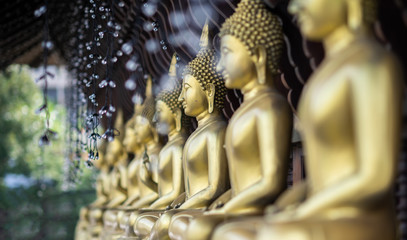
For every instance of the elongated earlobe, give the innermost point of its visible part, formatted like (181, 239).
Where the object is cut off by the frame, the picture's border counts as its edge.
(355, 15)
(178, 116)
(260, 59)
(210, 95)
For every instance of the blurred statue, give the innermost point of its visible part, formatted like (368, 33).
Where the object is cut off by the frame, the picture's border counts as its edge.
(138, 149)
(258, 136)
(116, 155)
(204, 158)
(350, 114)
(171, 121)
(147, 168)
(85, 225)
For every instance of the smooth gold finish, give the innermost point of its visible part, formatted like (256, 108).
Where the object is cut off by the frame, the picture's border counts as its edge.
(204, 158)
(96, 208)
(350, 114)
(133, 167)
(145, 167)
(202, 97)
(172, 121)
(259, 133)
(90, 221)
(111, 186)
(81, 229)
(117, 156)
(258, 136)
(132, 146)
(114, 216)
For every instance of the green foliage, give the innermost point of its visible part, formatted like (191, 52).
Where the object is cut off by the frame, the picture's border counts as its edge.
(20, 126)
(42, 213)
(42, 210)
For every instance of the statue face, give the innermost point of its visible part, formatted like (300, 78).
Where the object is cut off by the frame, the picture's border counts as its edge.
(142, 130)
(319, 18)
(193, 97)
(99, 163)
(164, 117)
(235, 64)
(113, 152)
(130, 140)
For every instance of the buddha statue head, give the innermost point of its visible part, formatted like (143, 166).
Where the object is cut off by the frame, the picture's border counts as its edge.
(144, 127)
(317, 19)
(251, 45)
(101, 162)
(203, 87)
(130, 140)
(115, 151)
(169, 114)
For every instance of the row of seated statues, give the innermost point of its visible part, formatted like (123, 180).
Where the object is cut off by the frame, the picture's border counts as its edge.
(228, 180)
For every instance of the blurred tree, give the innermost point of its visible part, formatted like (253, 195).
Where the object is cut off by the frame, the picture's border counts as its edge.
(34, 210)
(18, 98)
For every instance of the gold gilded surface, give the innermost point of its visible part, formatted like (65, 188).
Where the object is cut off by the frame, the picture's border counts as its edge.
(137, 149)
(116, 154)
(204, 158)
(258, 136)
(111, 185)
(169, 118)
(142, 170)
(133, 147)
(96, 208)
(147, 174)
(259, 133)
(350, 113)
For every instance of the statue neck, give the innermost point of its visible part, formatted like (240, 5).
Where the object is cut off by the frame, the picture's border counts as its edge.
(254, 88)
(341, 38)
(174, 134)
(151, 145)
(205, 117)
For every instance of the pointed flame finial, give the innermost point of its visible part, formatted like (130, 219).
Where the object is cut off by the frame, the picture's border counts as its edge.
(204, 42)
(172, 72)
(149, 87)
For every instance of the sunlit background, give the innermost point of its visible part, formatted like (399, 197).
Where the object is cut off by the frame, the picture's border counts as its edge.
(39, 197)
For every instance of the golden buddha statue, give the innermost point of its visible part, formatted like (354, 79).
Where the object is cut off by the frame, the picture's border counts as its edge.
(117, 156)
(103, 187)
(171, 121)
(102, 181)
(258, 136)
(147, 135)
(204, 158)
(350, 113)
(118, 191)
(131, 146)
(81, 229)
(147, 167)
(84, 228)
(137, 149)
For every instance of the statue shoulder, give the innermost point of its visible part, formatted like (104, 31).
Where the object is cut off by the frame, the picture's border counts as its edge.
(272, 104)
(217, 126)
(375, 67)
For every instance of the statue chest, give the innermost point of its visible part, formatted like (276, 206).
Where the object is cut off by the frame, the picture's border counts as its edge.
(196, 154)
(325, 109)
(326, 118)
(165, 164)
